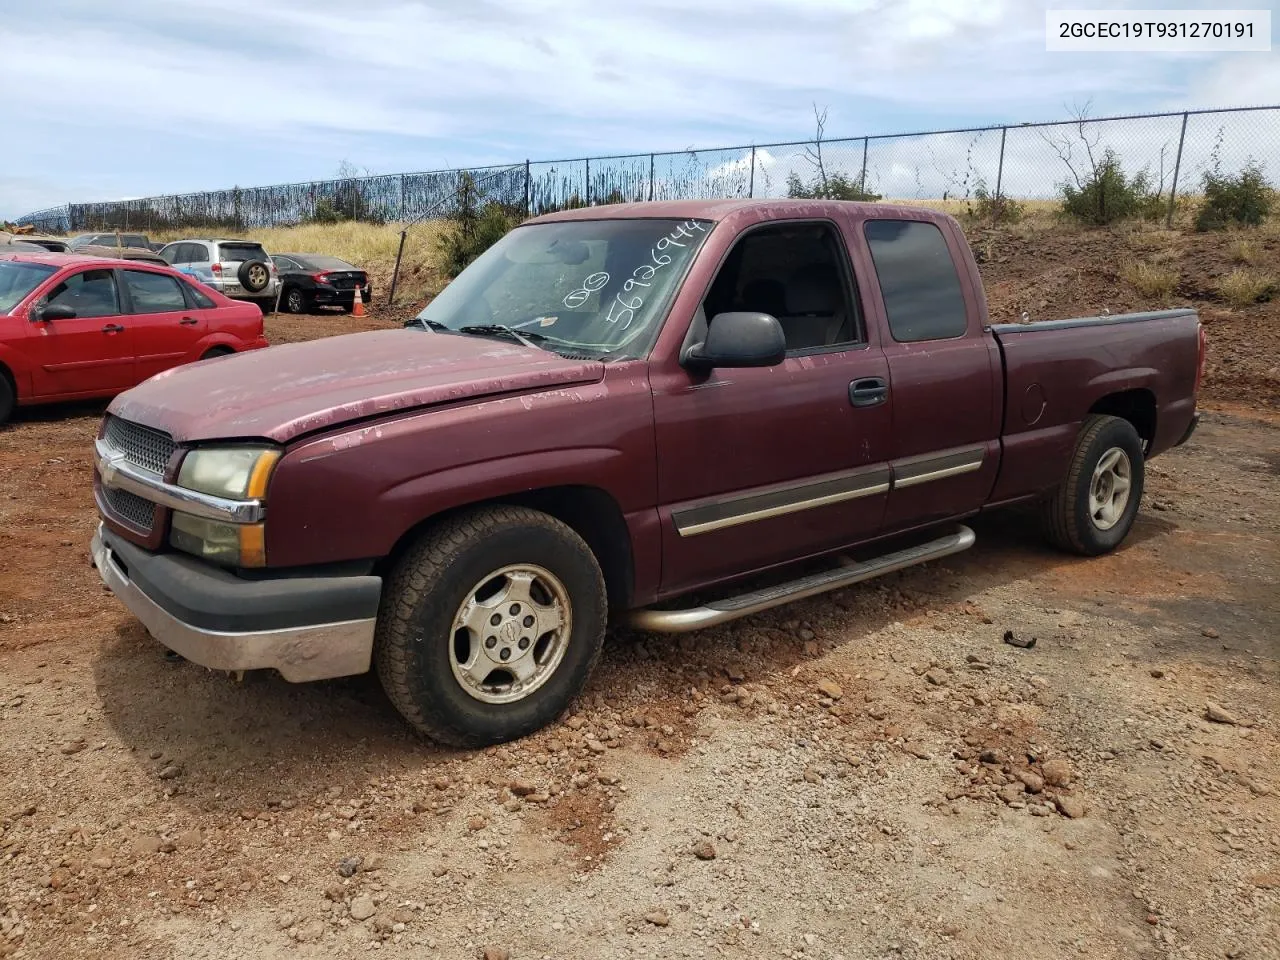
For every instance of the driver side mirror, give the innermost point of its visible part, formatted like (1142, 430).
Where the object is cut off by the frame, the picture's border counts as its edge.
(52, 311)
(739, 340)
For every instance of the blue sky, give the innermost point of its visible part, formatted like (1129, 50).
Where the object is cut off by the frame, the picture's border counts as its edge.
(142, 97)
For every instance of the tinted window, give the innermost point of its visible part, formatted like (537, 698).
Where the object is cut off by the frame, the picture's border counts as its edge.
(90, 294)
(235, 252)
(918, 280)
(200, 297)
(17, 279)
(172, 253)
(327, 263)
(154, 292)
(134, 240)
(197, 253)
(284, 263)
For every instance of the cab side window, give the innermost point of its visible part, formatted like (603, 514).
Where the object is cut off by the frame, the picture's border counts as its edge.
(90, 293)
(918, 280)
(797, 273)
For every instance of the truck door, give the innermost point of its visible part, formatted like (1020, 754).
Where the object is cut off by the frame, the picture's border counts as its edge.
(944, 372)
(760, 466)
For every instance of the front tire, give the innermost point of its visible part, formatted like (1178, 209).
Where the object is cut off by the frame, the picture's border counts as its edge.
(1093, 510)
(490, 625)
(7, 398)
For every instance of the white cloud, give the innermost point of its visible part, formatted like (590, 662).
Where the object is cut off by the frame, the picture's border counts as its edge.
(154, 95)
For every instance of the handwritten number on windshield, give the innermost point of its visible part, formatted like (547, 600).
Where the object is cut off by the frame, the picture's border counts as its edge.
(622, 310)
(577, 298)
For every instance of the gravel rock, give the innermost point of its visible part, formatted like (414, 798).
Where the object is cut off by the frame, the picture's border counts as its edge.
(1219, 714)
(362, 907)
(521, 788)
(145, 846)
(348, 866)
(1072, 807)
(704, 850)
(1209, 632)
(311, 931)
(1032, 781)
(1057, 772)
(171, 772)
(189, 839)
(829, 688)
(658, 918)
(936, 677)
(477, 823)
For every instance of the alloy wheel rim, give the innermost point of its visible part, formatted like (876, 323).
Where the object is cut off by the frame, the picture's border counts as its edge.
(510, 633)
(1110, 488)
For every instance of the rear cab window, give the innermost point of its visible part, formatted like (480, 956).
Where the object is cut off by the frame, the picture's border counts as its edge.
(154, 292)
(923, 298)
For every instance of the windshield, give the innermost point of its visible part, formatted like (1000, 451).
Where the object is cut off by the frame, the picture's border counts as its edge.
(18, 279)
(582, 286)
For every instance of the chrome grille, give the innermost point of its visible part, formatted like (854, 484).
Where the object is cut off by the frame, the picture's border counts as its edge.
(130, 507)
(141, 446)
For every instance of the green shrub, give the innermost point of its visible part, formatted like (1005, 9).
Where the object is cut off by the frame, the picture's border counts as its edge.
(1107, 195)
(475, 226)
(994, 208)
(836, 186)
(1243, 199)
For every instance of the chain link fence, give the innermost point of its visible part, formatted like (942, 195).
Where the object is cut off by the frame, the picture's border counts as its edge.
(1020, 162)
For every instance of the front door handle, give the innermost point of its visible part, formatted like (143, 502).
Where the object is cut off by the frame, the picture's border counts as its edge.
(188, 321)
(868, 392)
(113, 328)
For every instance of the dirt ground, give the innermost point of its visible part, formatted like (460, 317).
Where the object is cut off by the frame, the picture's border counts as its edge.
(873, 773)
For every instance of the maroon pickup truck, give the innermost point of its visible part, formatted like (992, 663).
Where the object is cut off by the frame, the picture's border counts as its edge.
(611, 410)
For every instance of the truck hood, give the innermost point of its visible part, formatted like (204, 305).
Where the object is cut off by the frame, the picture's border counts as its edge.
(282, 392)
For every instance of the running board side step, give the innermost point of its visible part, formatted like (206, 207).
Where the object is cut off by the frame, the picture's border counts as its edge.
(850, 572)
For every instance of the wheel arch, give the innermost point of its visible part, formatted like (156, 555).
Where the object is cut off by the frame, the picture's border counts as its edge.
(589, 511)
(1137, 406)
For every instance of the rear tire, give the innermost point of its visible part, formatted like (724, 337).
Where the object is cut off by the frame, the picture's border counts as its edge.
(295, 301)
(452, 673)
(1093, 510)
(253, 276)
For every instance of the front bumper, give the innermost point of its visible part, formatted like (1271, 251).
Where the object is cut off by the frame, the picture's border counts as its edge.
(307, 628)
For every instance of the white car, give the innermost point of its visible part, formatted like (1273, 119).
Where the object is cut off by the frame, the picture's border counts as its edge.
(239, 269)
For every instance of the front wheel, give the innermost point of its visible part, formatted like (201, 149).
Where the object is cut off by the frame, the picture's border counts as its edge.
(490, 625)
(1094, 508)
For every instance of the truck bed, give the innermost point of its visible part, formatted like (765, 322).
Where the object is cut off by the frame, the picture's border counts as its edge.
(1058, 371)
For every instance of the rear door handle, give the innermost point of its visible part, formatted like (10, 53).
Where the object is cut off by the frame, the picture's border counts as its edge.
(188, 321)
(868, 392)
(113, 328)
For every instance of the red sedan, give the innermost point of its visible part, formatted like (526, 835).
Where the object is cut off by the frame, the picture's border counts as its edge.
(74, 327)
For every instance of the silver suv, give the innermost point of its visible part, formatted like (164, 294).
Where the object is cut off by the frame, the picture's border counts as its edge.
(235, 268)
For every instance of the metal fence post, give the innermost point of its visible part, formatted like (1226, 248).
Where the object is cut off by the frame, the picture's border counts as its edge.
(862, 180)
(587, 180)
(651, 176)
(751, 184)
(1173, 187)
(528, 190)
(403, 211)
(1000, 166)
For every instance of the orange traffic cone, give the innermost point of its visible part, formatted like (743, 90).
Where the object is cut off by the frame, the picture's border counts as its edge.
(357, 305)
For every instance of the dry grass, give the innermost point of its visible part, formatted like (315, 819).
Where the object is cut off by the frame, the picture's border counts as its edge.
(1244, 287)
(1245, 251)
(371, 247)
(1152, 280)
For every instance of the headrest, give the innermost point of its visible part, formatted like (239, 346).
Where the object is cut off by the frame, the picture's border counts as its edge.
(814, 288)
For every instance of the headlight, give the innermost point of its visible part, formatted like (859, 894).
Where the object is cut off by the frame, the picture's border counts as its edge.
(236, 473)
(226, 544)
(233, 473)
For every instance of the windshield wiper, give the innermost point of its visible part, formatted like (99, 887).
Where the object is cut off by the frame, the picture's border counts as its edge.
(425, 324)
(502, 330)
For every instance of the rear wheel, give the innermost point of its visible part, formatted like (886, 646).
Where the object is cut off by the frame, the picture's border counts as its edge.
(1094, 508)
(295, 301)
(490, 625)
